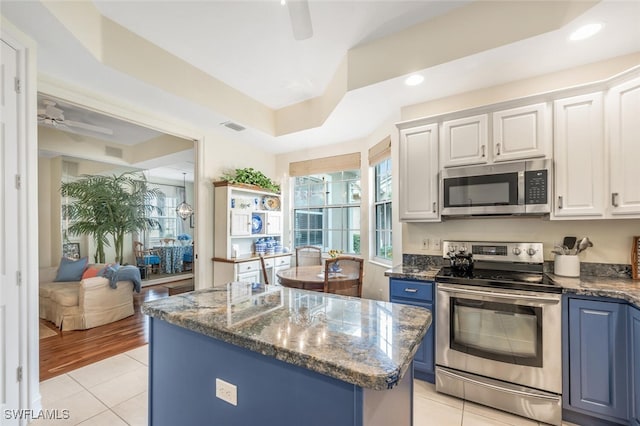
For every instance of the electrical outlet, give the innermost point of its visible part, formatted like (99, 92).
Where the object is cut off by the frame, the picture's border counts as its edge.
(425, 244)
(226, 392)
(436, 244)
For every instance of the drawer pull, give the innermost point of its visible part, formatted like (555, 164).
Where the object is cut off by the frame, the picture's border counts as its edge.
(614, 199)
(410, 290)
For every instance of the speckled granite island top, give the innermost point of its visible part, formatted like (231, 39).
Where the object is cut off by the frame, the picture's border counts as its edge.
(615, 287)
(364, 342)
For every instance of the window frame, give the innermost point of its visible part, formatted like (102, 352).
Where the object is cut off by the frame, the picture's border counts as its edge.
(387, 209)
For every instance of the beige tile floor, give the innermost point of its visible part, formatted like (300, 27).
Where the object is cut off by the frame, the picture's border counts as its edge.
(114, 392)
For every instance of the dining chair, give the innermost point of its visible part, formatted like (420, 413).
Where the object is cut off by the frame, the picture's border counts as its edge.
(343, 275)
(148, 259)
(265, 276)
(308, 255)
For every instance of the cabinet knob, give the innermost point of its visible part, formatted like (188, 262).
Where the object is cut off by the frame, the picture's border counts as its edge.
(483, 154)
(497, 149)
(614, 199)
(559, 201)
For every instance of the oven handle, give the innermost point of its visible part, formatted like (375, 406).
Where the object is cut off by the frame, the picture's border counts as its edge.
(448, 289)
(498, 388)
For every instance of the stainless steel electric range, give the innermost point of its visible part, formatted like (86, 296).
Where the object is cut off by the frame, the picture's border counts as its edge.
(498, 329)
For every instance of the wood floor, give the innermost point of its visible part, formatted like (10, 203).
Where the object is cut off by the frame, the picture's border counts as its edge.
(69, 350)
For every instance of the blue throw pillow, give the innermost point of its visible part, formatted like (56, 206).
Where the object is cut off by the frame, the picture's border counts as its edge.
(71, 270)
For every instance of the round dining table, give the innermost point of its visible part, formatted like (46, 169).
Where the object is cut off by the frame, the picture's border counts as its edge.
(309, 277)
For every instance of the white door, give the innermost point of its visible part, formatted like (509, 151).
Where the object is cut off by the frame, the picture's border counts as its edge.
(274, 223)
(240, 223)
(464, 141)
(419, 173)
(578, 133)
(9, 219)
(623, 112)
(520, 133)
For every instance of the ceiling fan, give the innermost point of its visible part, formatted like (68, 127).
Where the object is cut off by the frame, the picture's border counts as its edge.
(51, 115)
(300, 18)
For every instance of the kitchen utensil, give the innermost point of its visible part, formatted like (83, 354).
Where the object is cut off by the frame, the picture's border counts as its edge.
(561, 249)
(557, 252)
(584, 244)
(570, 242)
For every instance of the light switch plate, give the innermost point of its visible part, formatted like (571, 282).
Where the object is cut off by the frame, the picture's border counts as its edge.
(227, 392)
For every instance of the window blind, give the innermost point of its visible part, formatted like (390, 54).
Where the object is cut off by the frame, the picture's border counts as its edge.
(380, 151)
(335, 163)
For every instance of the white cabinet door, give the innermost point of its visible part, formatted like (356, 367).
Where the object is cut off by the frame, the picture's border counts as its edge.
(419, 173)
(623, 112)
(464, 141)
(579, 157)
(274, 223)
(520, 133)
(240, 223)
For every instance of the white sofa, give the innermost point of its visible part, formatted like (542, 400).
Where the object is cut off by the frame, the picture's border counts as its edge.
(78, 305)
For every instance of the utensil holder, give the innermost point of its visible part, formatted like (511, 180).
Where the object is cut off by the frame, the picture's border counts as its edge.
(566, 265)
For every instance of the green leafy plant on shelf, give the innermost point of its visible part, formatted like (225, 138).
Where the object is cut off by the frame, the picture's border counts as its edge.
(251, 176)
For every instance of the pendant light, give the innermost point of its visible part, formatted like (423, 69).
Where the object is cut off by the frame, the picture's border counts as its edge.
(184, 210)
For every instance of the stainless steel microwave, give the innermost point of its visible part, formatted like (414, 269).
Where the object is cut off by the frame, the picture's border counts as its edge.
(517, 188)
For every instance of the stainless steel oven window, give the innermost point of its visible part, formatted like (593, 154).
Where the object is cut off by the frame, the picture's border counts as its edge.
(499, 331)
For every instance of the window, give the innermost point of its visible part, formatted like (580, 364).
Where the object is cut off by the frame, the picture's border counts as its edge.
(326, 211)
(382, 208)
(170, 224)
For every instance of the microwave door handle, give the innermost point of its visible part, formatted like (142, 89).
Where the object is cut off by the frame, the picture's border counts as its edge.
(521, 188)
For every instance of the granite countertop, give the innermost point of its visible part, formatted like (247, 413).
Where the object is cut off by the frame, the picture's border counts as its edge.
(615, 287)
(586, 285)
(412, 272)
(367, 343)
(247, 257)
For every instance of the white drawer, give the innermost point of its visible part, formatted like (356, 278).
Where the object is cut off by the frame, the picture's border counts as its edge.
(268, 263)
(282, 261)
(243, 267)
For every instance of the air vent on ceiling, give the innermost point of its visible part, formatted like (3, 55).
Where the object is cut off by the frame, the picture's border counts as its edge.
(113, 152)
(233, 126)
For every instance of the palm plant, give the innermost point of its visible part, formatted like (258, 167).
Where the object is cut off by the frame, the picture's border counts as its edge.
(106, 206)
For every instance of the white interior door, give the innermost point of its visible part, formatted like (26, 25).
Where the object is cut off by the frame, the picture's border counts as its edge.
(9, 285)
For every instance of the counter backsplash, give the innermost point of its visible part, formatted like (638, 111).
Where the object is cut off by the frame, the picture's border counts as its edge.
(612, 270)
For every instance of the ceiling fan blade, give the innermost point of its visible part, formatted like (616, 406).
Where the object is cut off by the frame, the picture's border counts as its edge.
(87, 126)
(300, 19)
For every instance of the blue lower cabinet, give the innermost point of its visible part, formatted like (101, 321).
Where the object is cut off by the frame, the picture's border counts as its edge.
(634, 340)
(597, 359)
(419, 293)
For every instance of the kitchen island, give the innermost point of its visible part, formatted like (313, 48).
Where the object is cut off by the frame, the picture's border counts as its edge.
(246, 354)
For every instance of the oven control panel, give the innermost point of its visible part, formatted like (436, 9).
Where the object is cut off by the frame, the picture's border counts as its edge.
(497, 251)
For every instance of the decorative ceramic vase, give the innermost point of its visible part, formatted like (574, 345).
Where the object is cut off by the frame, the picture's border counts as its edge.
(335, 267)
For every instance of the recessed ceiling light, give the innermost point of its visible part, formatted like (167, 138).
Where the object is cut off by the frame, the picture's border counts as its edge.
(414, 80)
(585, 31)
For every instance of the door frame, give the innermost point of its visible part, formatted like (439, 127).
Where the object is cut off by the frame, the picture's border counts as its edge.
(27, 141)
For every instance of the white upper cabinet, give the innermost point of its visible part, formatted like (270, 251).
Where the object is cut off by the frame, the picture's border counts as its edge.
(623, 115)
(240, 223)
(579, 157)
(521, 133)
(419, 173)
(274, 223)
(464, 141)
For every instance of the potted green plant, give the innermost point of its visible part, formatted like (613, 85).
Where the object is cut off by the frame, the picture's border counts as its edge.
(250, 176)
(109, 206)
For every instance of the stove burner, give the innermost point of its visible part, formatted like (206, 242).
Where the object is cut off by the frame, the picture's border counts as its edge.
(528, 281)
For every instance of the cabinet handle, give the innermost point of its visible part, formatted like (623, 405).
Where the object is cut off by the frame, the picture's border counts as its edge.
(559, 201)
(482, 151)
(434, 207)
(497, 149)
(410, 290)
(614, 199)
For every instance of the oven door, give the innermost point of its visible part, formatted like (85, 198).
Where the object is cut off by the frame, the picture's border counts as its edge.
(509, 335)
